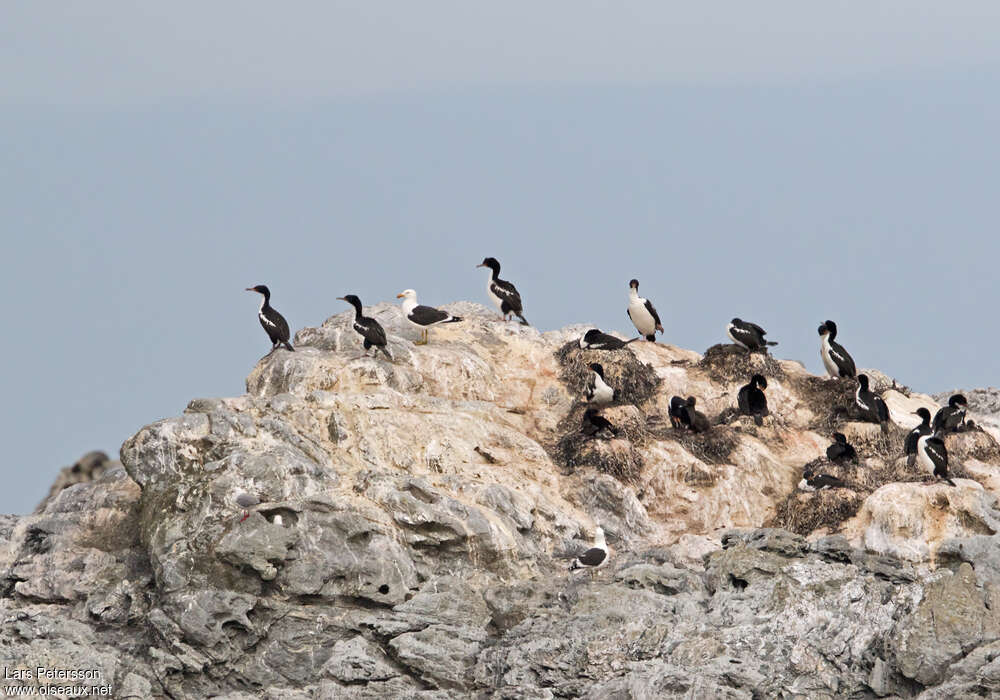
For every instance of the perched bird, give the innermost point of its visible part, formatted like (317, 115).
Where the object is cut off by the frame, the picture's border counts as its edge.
(503, 293)
(873, 408)
(367, 327)
(423, 317)
(246, 501)
(837, 361)
(694, 419)
(598, 391)
(751, 399)
(643, 315)
(950, 418)
(748, 335)
(595, 340)
(933, 456)
(913, 437)
(597, 426)
(677, 411)
(841, 450)
(595, 557)
(811, 481)
(273, 322)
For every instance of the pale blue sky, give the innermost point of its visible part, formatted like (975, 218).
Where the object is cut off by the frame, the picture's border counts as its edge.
(776, 161)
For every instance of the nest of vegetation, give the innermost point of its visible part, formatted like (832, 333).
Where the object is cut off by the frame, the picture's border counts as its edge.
(619, 457)
(731, 363)
(712, 446)
(831, 401)
(974, 443)
(635, 381)
(803, 513)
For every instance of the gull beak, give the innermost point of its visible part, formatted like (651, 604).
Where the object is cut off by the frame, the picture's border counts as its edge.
(399, 296)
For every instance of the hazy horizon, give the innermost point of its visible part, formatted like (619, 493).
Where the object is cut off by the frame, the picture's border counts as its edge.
(160, 167)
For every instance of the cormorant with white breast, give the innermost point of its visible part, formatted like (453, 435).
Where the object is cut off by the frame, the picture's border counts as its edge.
(597, 426)
(643, 315)
(838, 362)
(598, 390)
(751, 399)
(950, 418)
(595, 557)
(933, 456)
(748, 335)
(595, 340)
(913, 437)
(423, 317)
(873, 408)
(503, 293)
(367, 327)
(273, 323)
(811, 481)
(841, 450)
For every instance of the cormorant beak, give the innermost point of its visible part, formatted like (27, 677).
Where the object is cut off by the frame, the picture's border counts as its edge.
(251, 289)
(480, 265)
(342, 299)
(400, 296)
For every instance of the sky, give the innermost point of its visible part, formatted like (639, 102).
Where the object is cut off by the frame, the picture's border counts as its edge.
(778, 161)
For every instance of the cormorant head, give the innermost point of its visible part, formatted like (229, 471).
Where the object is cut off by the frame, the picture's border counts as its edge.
(634, 284)
(260, 289)
(759, 381)
(863, 381)
(597, 368)
(958, 400)
(589, 413)
(351, 299)
(691, 401)
(924, 414)
(491, 263)
(591, 334)
(831, 328)
(736, 321)
(840, 438)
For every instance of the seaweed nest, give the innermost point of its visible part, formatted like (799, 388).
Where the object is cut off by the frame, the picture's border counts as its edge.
(731, 363)
(973, 444)
(803, 513)
(635, 381)
(713, 446)
(618, 457)
(831, 401)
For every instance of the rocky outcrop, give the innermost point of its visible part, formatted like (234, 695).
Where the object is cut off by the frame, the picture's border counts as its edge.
(414, 521)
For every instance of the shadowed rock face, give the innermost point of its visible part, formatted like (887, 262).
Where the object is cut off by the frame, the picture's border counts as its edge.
(417, 518)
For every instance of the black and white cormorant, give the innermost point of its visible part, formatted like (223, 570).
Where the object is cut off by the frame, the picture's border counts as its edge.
(950, 418)
(748, 335)
(598, 390)
(595, 340)
(423, 317)
(811, 481)
(367, 327)
(933, 456)
(694, 419)
(595, 557)
(503, 293)
(838, 362)
(643, 315)
(596, 425)
(871, 405)
(273, 322)
(751, 399)
(841, 450)
(677, 411)
(913, 437)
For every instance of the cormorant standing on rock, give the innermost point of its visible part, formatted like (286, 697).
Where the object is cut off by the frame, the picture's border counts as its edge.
(272, 322)
(641, 312)
(836, 359)
(913, 437)
(872, 406)
(933, 457)
(367, 327)
(748, 335)
(751, 399)
(841, 450)
(595, 340)
(949, 419)
(503, 293)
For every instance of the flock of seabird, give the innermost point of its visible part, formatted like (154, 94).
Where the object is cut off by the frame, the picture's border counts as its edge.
(923, 445)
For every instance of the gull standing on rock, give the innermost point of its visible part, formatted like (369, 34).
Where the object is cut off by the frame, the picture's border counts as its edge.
(272, 322)
(423, 317)
(642, 313)
(838, 362)
(503, 293)
(595, 557)
(367, 327)
(748, 335)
